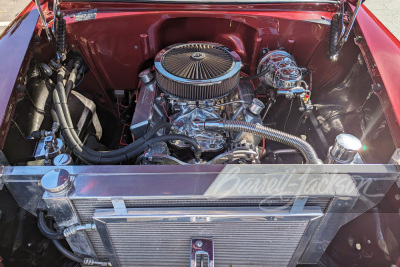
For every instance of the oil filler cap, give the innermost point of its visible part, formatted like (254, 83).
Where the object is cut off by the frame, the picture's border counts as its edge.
(62, 160)
(56, 181)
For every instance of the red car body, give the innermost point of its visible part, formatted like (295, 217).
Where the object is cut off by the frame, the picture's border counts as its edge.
(379, 45)
(123, 38)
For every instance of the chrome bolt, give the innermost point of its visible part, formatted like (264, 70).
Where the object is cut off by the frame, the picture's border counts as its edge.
(198, 243)
(377, 87)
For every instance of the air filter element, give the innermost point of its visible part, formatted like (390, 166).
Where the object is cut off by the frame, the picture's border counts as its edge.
(197, 71)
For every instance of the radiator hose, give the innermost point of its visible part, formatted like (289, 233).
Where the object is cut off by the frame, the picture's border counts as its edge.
(272, 134)
(68, 254)
(56, 236)
(45, 229)
(84, 261)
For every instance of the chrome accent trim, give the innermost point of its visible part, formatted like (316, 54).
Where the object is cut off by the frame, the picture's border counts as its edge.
(119, 206)
(3, 163)
(200, 247)
(203, 89)
(256, 106)
(395, 159)
(144, 114)
(72, 230)
(65, 215)
(343, 39)
(55, 11)
(299, 204)
(344, 149)
(283, 71)
(56, 181)
(232, 72)
(146, 76)
(43, 20)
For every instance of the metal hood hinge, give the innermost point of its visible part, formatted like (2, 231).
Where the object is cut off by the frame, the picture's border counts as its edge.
(337, 40)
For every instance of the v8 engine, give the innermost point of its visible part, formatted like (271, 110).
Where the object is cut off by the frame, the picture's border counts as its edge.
(196, 83)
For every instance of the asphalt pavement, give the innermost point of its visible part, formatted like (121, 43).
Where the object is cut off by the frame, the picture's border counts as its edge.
(387, 11)
(9, 9)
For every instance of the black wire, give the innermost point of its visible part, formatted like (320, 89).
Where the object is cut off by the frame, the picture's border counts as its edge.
(255, 76)
(290, 109)
(19, 129)
(299, 123)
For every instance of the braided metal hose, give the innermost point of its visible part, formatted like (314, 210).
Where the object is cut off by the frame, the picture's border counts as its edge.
(274, 135)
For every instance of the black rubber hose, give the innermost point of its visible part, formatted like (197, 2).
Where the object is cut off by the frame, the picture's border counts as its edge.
(72, 79)
(47, 232)
(88, 155)
(66, 252)
(60, 97)
(110, 157)
(45, 229)
(334, 35)
(85, 154)
(166, 138)
(262, 73)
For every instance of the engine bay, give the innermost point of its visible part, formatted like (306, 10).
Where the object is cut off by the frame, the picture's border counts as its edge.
(186, 106)
(210, 113)
(193, 105)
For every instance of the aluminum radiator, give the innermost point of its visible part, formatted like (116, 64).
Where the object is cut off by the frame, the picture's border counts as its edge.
(247, 236)
(247, 215)
(86, 207)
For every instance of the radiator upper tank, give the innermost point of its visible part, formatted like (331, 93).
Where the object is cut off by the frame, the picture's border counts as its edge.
(197, 71)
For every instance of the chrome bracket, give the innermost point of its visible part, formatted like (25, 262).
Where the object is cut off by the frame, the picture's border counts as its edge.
(3, 162)
(119, 206)
(395, 159)
(1, 178)
(298, 204)
(72, 230)
(201, 251)
(43, 19)
(345, 36)
(55, 13)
